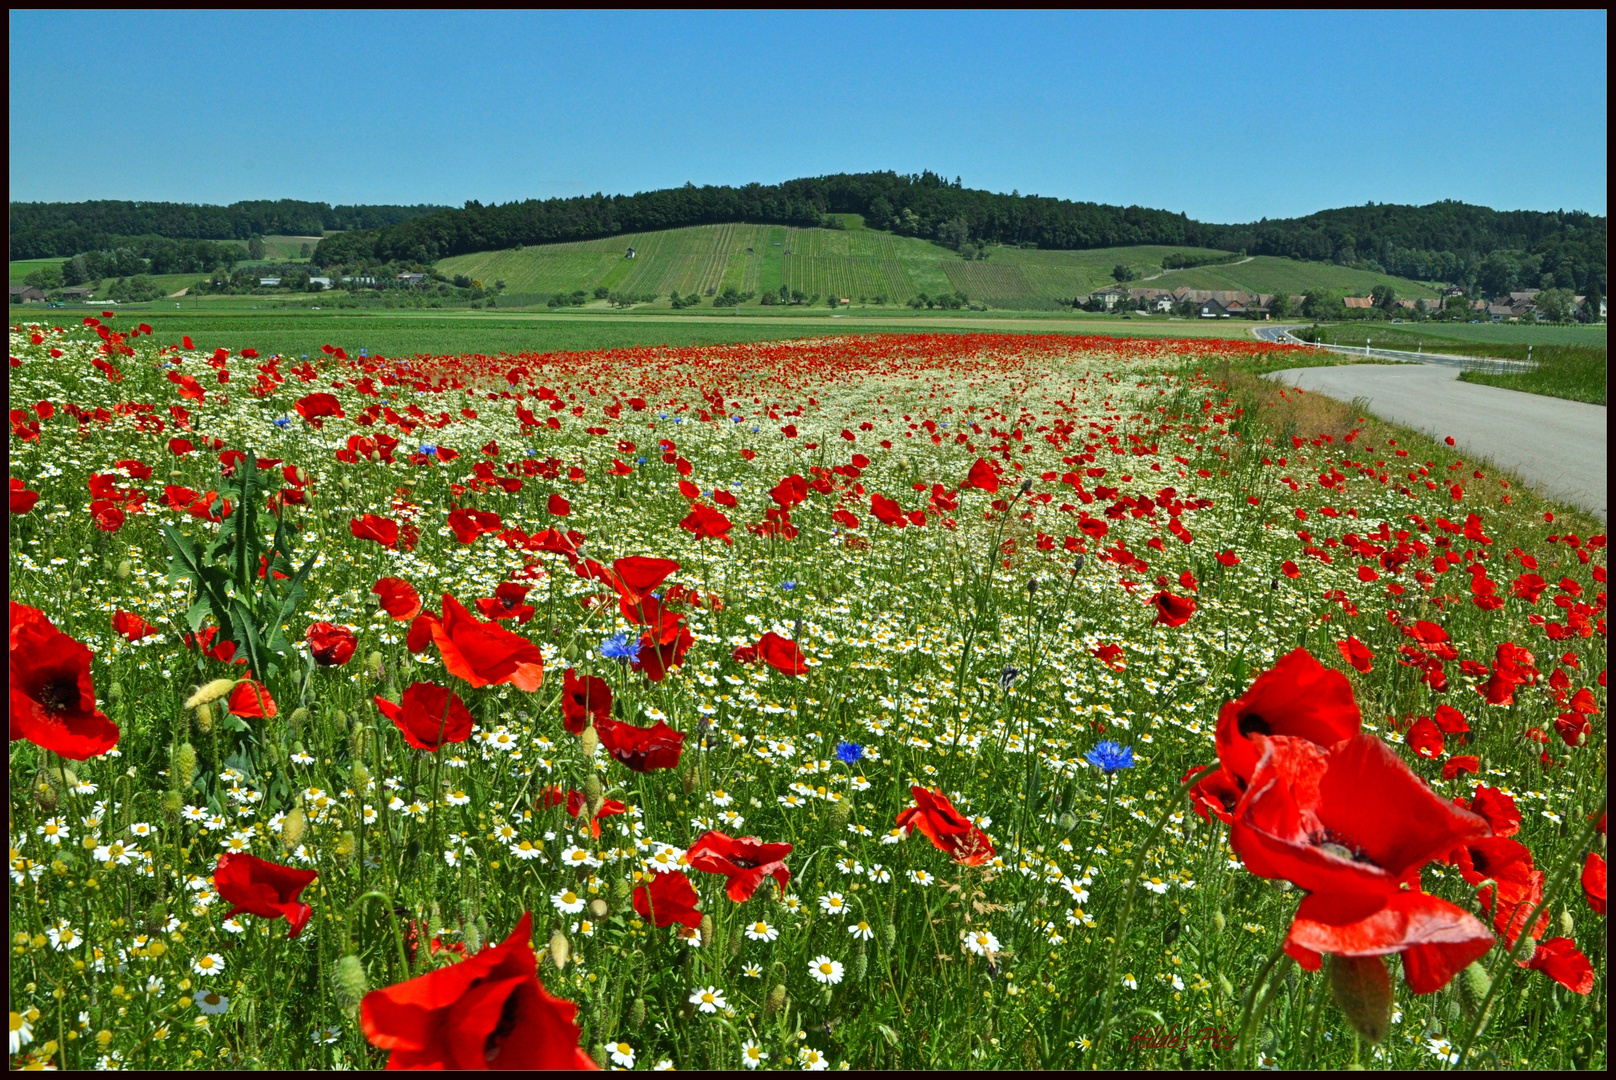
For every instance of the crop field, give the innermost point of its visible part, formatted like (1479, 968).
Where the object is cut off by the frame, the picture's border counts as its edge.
(1268, 273)
(907, 700)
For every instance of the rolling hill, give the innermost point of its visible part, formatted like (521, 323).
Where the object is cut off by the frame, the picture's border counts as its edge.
(860, 263)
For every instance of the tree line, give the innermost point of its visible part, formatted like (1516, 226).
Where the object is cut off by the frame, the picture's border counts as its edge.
(41, 230)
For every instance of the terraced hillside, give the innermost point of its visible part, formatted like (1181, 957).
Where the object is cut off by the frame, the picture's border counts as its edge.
(864, 264)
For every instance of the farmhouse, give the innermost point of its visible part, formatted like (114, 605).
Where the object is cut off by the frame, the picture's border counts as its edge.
(26, 294)
(1361, 302)
(411, 279)
(77, 292)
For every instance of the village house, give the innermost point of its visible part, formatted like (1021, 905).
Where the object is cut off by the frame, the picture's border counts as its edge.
(77, 292)
(1363, 303)
(411, 279)
(26, 294)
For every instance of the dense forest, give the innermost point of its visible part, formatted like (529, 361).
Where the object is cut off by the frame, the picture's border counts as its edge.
(48, 230)
(1485, 251)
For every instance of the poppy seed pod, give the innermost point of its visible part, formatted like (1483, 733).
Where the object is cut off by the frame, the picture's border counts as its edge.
(1077, 563)
(212, 691)
(348, 983)
(1362, 989)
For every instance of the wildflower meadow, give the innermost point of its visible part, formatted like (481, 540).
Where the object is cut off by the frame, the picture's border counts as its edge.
(929, 701)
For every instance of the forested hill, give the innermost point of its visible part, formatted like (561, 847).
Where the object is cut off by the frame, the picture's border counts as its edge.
(1446, 241)
(47, 230)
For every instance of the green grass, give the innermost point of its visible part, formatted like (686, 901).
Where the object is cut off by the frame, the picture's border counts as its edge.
(1431, 334)
(288, 248)
(1563, 371)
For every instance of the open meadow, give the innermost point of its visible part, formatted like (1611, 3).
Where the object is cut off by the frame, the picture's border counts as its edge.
(576, 690)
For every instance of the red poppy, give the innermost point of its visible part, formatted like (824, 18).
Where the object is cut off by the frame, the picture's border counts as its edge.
(658, 658)
(1513, 885)
(1561, 960)
(982, 477)
(251, 699)
(1290, 569)
(641, 749)
(468, 525)
(1450, 720)
(668, 899)
(1460, 763)
(945, 827)
(316, 407)
(887, 511)
(331, 646)
(131, 626)
(1425, 738)
(1436, 939)
(22, 498)
(1497, 808)
(506, 603)
(582, 699)
(485, 654)
(1172, 610)
(428, 716)
(1355, 653)
(576, 802)
(746, 861)
(398, 598)
(1297, 697)
(1352, 819)
(486, 1011)
(52, 696)
(744, 654)
(1219, 792)
(781, 654)
(251, 885)
(1111, 656)
(558, 506)
(791, 491)
(375, 527)
(705, 523)
(1593, 882)
(637, 575)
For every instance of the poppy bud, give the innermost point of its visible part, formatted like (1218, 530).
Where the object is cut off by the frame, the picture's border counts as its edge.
(348, 983)
(1228, 987)
(735, 943)
(1032, 586)
(1473, 986)
(292, 826)
(621, 891)
(560, 951)
(600, 909)
(706, 930)
(689, 778)
(1219, 921)
(346, 844)
(212, 691)
(356, 741)
(374, 665)
(204, 718)
(184, 766)
(173, 803)
(598, 1052)
(299, 715)
(472, 939)
(124, 569)
(156, 916)
(1527, 950)
(636, 1013)
(482, 926)
(589, 740)
(889, 934)
(1362, 989)
(115, 691)
(45, 792)
(1568, 927)
(1068, 821)
(840, 811)
(1026, 485)
(360, 777)
(777, 999)
(1077, 563)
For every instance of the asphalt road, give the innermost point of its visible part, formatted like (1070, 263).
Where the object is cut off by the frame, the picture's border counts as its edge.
(1557, 446)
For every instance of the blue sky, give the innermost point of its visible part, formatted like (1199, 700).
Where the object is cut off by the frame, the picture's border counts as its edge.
(1226, 117)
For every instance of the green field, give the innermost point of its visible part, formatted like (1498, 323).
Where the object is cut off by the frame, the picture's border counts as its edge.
(862, 264)
(1487, 333)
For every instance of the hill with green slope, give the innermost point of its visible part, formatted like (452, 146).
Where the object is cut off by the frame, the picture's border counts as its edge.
(863, 264)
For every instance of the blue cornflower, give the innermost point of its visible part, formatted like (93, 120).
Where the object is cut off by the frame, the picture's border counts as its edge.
(621, 647)
(662, 416)
(641, 461)
(1110, 756)
(428, 448)
(754, 431)
(738, 419)
(281, 421)
(788, 585)
(849, 752)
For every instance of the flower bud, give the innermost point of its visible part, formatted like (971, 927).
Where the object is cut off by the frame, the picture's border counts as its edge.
(292, 826)
(588, 741)
(348, 984)
(124, 569)
(594, 796)
(889, 934)
(1527, 949)
(1228, 987)
(184, 766)
(473, 940)
(173, 803)
(1068, 821)
(560, 951)
(115, 691)
(45, 793)
(861, 963)
(374, 665)
(621, 892)
(1473, 985)
(204, 718)
(636, 1013)
(212, 691)
(1026, 485)
(841, 810)
(346, 845)
(299, 715)
(1568, 926)
(706, 930)
(1362, 989)
(360, 777)
(777, 1000)
(1219, 921)
(599, 908)
(356, 741)
(598, 1052)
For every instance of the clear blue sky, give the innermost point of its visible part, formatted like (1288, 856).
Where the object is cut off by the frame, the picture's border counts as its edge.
(1226, 116)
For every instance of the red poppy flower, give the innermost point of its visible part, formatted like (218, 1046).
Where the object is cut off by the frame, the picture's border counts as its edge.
(374, 527)
(1497, 809)
(1436, 939)
(746, 861)
(22, 498)
(558, 506)
(486, 1011)
(791, 491)
(641, 749)
(52, 696)
(982, 477)
(1514, 888)
(1352, 819)
(1561, 960)
(1219, 792)
(945, 827)
(1290, 569)
(1593, 882)
(1111, 656)
(705, 523)
(1355, 653)
(485, 654)
(887, 511)
(1297, 697)
(1172, 610)
(428, 716)
(582, 699)
(668, 899)
(270, 891)
(506, 603)
(331, 646)
(398, 598)
(744, 654)
(252, 700)
(1460, 763)
(1425, 738)
(659, 658)
(781, 654)
(637, 575)
(131, 626)
(316, 407)
(577, 801)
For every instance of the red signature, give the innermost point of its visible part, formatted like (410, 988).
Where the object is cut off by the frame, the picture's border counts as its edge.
(1182, 1037)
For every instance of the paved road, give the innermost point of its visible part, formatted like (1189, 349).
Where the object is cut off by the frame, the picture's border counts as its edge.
(1555, 445)
(1283, 335)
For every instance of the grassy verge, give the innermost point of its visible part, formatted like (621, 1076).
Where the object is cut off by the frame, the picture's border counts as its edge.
(1563, 371)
